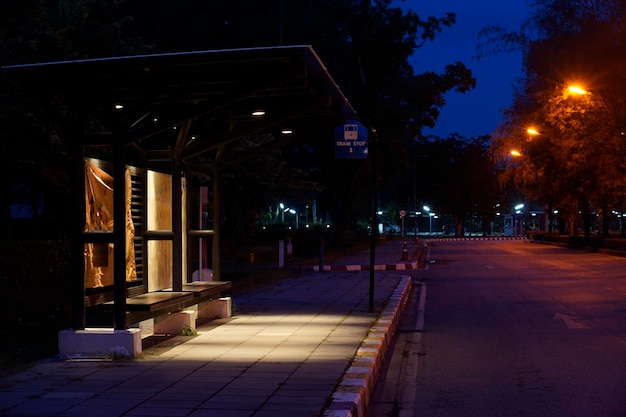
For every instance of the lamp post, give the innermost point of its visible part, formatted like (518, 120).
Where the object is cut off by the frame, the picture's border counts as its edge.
(519, 217)
(602, 122)
(595, 99)
(293, 211)
(430, 220)
(415, 192)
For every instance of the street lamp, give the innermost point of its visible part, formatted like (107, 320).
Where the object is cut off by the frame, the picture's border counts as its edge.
(292, 211)
(574, 89)
(532, 131)
(430, 220)
(518, 217)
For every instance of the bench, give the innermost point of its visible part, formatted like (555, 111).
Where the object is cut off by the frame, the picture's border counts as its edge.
(156, 303)
(207, 289)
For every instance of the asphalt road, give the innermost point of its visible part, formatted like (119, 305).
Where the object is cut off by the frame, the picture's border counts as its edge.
(510, 328)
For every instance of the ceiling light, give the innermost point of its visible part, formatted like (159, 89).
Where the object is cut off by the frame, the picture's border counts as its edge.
(258, 113)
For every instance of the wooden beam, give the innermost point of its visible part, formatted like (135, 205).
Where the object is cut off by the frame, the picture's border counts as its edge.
(177, 227)
(77, 120)
(217, 229)
(119, 230)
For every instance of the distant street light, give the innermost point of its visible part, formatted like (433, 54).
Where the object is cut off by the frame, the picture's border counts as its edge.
(532, 131)
(430, 220)
(292, 211)
(596, 100)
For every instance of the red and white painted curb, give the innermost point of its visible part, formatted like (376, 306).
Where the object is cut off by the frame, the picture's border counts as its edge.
(404, 266)
(352, 396)
(470, 238)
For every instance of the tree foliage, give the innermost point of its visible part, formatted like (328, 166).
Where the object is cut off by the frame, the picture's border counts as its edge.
(460, 178)
(366, 45)
(576, 163)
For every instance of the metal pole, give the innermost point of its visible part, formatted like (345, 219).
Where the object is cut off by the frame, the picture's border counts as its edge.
(373, 225)
(415, 197)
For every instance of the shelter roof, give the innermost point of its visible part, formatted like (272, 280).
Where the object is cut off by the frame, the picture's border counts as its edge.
(192, 106)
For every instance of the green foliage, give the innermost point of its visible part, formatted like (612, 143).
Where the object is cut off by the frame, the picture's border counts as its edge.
(188, 331)
(34, 299)
(577, 162)
(365, 45)
(460, 178)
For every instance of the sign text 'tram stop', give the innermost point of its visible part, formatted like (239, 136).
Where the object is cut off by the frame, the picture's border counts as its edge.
(351, 140)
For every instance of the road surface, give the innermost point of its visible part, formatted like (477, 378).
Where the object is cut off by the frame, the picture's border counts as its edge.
(510, 328)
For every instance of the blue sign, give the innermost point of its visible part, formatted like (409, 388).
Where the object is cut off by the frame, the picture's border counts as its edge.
(351, 140)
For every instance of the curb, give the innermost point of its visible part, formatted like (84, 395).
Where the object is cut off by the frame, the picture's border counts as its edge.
(481, 238)
(406, 266)
(352, 395)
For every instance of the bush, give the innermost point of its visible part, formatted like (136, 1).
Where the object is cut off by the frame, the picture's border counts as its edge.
(616, 244)
(34, 299)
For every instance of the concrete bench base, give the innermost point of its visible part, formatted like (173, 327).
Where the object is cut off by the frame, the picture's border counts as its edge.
(173, 323)
(114, 343)
(219, 308)
(104, 342)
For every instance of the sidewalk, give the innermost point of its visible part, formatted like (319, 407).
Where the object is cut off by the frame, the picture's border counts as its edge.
(298, 347)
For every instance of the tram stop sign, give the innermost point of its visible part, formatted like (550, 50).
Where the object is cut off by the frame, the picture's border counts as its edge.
(351, 140)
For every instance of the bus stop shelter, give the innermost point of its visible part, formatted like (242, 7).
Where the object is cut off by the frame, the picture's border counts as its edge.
(145, 124)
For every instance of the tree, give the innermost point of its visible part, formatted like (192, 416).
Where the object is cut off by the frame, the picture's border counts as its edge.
(34, 152)
(578, 160)
(366, 45)
(461, 178)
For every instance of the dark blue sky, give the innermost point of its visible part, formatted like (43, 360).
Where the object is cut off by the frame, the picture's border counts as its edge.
(478, 111)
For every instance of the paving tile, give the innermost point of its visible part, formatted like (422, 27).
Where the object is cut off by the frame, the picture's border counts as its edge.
(282, 354)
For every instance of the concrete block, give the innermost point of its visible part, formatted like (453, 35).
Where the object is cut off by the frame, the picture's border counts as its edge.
(220, 308)
(98, 342)
(202, 275)
(174, 322)
(146, 327)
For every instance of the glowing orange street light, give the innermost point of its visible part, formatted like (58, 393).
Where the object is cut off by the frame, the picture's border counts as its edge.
(516, 153)
(532, 131)
(574, 89)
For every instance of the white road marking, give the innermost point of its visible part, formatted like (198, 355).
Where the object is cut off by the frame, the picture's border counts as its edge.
(570, 321)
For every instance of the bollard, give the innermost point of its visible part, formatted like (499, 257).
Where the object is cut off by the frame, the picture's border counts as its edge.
(321, 255)
(281, 254)
(405, 252)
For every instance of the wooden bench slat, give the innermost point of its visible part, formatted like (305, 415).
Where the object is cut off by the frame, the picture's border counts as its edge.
(206, 288)
(148, 305)
(152, 301)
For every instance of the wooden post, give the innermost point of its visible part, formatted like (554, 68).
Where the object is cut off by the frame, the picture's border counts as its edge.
(217, 208)
(177, 243)
(77, 248)
(119, 230)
